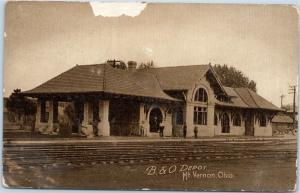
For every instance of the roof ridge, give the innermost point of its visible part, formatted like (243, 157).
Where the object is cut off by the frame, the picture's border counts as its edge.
(216, 76)
(178, 66)
(90, 64)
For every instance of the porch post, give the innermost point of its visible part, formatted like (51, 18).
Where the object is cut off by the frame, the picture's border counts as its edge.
(210, 120)
(142, 120)
(189, 120)
(50, 119)
(87, 128)
(168, 123)
(85, 114)
(103, 126)
(38, 115)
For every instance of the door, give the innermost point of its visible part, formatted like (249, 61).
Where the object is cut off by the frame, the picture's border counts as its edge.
(155, 119)
(249, 124)
(225, 123)
(79, 108)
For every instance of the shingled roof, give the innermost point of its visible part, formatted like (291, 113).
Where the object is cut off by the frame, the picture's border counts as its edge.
(144, 82)
(103, 78)
(246, 98)
(184, 78)
(178, 77)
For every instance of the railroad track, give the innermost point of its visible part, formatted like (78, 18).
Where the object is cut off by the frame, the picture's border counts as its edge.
(78, 154)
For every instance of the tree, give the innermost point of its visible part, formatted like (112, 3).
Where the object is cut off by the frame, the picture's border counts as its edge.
(231, 77)
(20, 105)
(146, 65)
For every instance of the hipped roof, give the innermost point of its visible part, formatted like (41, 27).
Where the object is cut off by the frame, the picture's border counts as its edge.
(145, 83)
(103, 78)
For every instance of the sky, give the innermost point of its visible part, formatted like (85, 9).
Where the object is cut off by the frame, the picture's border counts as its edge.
(44, 39)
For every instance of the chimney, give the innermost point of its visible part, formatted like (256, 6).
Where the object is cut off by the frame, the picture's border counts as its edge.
(132, 66)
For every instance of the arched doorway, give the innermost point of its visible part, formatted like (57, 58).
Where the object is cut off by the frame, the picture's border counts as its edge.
(225, 123)
(155, 118)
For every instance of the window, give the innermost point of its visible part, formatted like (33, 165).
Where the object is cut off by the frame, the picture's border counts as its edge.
(44, 113)
(215, 119)
(201, 95)
(200, 115)
(262, 120)
(237, 120)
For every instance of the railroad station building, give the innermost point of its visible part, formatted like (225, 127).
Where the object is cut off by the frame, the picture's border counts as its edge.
(119, 102)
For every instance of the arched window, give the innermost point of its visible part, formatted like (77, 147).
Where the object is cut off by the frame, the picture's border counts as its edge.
(237, 120)
(262, 120)
(201, 95)
(225, 123)
(215, 119)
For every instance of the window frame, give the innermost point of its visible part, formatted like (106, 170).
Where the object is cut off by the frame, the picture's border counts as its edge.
(235, 118)
(201, 95)
(200, 115)
(262, 119)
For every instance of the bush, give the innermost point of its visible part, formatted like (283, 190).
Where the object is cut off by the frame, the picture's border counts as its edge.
(66, 122)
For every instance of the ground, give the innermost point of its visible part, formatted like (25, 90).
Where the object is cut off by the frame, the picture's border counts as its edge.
(261, 164)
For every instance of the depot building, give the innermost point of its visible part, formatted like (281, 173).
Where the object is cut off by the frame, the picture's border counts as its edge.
(122, 101)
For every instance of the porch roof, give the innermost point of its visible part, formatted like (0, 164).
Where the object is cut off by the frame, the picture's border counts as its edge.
(282, 118)
(246, 98)
(102, 78)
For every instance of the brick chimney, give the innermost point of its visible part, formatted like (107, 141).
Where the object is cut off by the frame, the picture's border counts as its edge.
(132, 66)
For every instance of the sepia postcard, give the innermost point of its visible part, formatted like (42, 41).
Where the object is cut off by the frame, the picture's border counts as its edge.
(150, 96)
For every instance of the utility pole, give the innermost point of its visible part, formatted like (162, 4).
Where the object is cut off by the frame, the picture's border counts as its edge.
(281, 99)
(293, 91)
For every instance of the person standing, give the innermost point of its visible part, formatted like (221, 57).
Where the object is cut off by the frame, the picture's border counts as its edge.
(161, 129)
(196, 132)
(142, 129)
(184, 129)
(156, 124)
(95, 126)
